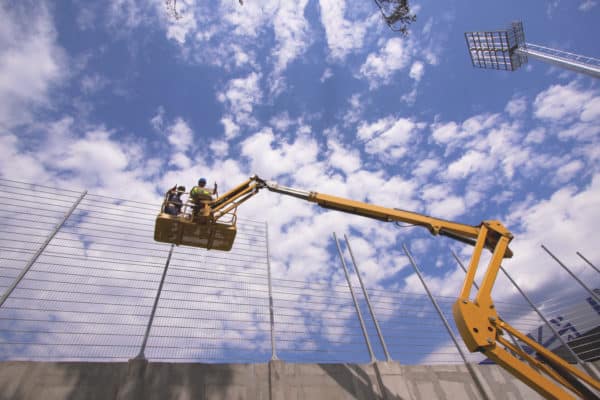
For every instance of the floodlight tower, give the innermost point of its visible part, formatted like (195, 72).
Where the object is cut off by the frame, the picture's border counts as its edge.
(507, 50)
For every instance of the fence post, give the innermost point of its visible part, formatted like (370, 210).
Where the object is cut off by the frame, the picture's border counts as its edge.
(141, 355)
(271, 308)
(39, 252)
(364, 290)
(588, 262)
(446, 324)
(583, 285)
(356, 306)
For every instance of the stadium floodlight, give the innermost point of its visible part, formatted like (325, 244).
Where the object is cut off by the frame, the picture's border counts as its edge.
(507, 50)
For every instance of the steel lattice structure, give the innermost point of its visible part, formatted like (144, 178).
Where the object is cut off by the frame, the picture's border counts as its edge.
(507, 50)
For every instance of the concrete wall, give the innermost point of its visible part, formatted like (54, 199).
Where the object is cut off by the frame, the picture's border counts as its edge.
(270, 381)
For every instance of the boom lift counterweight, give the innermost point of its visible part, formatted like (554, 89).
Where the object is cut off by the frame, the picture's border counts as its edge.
(477, 320)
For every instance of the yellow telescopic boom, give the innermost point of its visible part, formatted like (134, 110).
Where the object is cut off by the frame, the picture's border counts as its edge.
(477, 319)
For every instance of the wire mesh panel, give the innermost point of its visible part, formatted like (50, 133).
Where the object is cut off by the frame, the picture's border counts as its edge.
(29, 214)
(412, 328)
(214, 305)
(89, 294)
(577, 320)
(316, 322)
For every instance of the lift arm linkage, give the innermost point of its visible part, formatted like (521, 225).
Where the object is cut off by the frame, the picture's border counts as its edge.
(477, 320)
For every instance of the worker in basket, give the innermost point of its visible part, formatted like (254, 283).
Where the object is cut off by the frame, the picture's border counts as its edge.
(200, 196)
(174, 202)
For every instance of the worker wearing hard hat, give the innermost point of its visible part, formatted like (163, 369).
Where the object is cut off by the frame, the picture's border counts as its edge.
(201, 192)
(199, 195)
(174, 202)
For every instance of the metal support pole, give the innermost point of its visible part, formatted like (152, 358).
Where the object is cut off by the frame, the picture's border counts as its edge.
(141, 354)
(459, 262)
(445, 321)
(588, 262)
(560, 338)
(535, 51)
(271, 309)
(362, 285)
(360, 318)
(583, 285)
(41, 249)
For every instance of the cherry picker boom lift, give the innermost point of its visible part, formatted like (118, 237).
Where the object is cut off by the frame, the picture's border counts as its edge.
(482, 329)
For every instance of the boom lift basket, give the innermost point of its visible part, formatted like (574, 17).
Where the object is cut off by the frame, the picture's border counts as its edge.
(196, 231)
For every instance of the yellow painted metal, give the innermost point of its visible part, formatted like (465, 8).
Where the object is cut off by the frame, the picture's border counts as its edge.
(526, 374)
(535, 364)
(184, 231)
(478, 322)
(484, 295)
(210, 225)
(547, 354)
(474, 263)
(434, 225)
(481, 329)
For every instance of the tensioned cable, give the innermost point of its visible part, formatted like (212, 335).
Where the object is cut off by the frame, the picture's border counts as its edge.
(38, 185)
(38, 197)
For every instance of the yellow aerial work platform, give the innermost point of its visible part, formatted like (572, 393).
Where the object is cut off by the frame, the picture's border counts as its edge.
(196, 229)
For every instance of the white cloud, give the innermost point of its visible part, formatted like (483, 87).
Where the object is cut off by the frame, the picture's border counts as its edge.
(12, 161)
(563, 103)
(65, 155)
(241, 95)
(94, 153)
(291, 32)
(93, 83)
(180, 135)
(587, 5)
(343, 36)
(31, 62)
(444, 133)
(566, 172)
(388, 137)
(127, 13)
(271, 157)
(326, 75)
(343, 158)
(219, 147)
(379, 67)
(426, 167)
(248, 20)
(565, 222)
(224, 33)
(471, 162)
(180, 161)
(417, 70)
(356, 109)
(183, 27)
(157, 121)
(282, 121)
(517, 106)
(536, 136)
(580, 131)
(231, 128)
(591, 110)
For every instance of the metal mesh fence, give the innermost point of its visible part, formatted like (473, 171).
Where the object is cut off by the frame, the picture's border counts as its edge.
(90, 292)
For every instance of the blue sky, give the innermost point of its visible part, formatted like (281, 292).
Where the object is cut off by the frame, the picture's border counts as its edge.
(124, 100)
